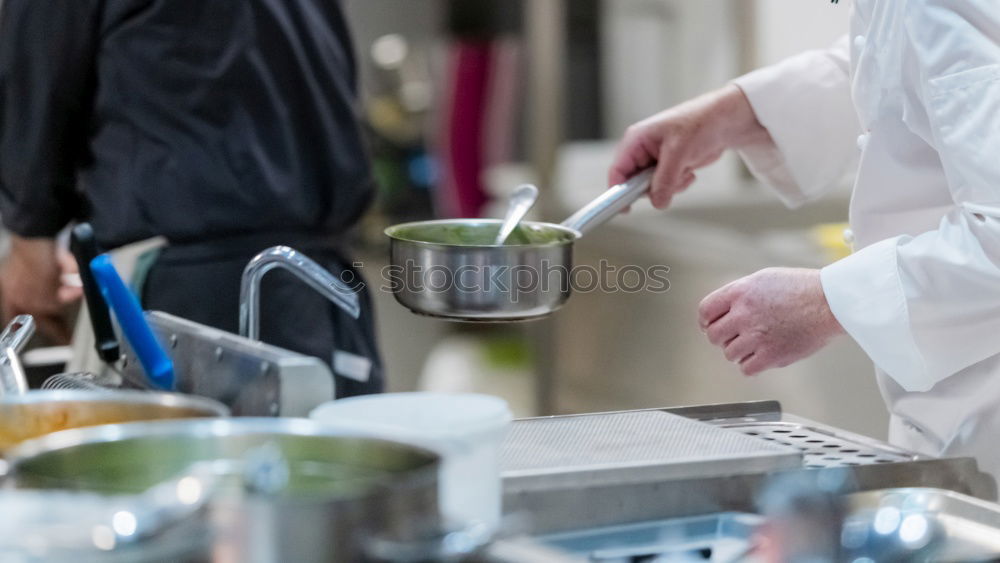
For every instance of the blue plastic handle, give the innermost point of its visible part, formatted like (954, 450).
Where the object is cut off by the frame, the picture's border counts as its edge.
(159, 368)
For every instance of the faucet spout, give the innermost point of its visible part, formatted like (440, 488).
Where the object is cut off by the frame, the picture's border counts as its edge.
(304, 268)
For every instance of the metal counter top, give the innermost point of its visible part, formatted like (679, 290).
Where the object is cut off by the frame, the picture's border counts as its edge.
(562, 497)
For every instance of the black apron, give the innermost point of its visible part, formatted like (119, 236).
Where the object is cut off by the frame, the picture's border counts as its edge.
(201, 282)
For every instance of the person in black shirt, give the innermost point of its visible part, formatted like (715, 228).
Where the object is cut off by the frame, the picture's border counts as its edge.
(225, 126)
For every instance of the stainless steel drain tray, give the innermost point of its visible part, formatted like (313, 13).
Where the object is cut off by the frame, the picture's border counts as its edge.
(822, 448)
(640, 446)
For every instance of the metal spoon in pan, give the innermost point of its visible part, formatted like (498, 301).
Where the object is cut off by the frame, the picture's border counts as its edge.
(520, 203)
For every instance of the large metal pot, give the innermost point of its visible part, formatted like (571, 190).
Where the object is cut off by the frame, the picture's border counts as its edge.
(341, 492)
(37, 413)
(452, 268)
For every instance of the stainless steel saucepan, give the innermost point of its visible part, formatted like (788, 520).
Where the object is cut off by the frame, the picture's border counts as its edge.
(452, 268)
(287, 489)
(38, 413)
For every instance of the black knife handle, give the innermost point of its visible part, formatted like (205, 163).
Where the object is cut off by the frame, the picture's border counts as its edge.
(84, 247)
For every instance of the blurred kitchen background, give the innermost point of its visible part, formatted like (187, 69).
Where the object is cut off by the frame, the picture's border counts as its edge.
(465, 100)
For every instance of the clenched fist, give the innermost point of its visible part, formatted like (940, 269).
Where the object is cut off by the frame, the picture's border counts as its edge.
(769, 319)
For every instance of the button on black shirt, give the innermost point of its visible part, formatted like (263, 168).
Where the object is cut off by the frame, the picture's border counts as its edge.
(191, 119)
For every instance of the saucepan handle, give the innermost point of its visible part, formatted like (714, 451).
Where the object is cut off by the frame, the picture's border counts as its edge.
(12, 378)
(13, 339)
(18, 332)
(84, 247)
(610, 203)
(132, 320)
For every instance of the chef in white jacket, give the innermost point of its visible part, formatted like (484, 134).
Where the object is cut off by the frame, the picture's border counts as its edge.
(912, 98)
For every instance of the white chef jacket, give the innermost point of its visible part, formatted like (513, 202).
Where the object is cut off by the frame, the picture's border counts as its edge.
(912, 96)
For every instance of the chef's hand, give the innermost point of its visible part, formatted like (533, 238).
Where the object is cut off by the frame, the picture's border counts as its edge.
(769, 319)
(685, 138)
(31, 282)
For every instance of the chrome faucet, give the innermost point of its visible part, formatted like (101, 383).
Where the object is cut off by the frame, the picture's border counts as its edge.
(305, 269)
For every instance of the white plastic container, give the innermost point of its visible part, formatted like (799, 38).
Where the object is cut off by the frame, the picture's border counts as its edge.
(466, 429)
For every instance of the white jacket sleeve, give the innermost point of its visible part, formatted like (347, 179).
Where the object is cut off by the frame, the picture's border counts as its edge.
(928, 306)
(805, 104)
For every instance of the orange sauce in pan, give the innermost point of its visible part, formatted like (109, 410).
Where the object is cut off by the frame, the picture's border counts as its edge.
(20, 422)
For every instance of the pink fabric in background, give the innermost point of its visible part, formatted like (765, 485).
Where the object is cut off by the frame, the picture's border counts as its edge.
(462, 158)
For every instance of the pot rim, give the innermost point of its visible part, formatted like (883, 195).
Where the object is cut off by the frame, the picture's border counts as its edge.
(392, 231)
(118, 396)
(198, 428)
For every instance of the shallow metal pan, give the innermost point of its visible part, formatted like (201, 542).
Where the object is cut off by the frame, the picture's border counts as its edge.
(320, 494)
(38, 413)
(452, 268)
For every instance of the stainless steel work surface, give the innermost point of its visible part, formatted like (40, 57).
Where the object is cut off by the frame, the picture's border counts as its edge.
(632, 446)
(587, 489)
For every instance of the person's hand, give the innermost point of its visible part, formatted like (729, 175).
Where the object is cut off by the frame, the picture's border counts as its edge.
(769, 319)
(684, 138)
(31, 282)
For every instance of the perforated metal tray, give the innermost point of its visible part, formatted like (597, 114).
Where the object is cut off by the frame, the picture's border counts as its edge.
(822, 445)
(820, 448)
(632, 447)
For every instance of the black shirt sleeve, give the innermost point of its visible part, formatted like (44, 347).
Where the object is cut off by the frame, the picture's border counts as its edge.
(47, 54)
